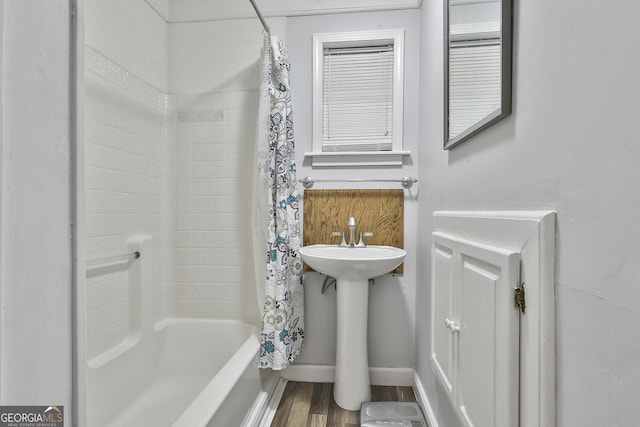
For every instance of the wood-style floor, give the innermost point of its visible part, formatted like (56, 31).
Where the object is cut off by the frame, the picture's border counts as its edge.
(312, 405)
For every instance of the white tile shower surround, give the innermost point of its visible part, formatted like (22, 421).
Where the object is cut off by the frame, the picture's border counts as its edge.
(213, 72)
(212, 158)
(215, 56)
(113, 28)
(185, 184)
(129, 168)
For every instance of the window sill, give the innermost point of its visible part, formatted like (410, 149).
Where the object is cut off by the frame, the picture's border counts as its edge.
(357, 158)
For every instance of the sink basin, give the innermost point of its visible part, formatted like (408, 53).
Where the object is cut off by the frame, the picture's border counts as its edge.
(352, 263)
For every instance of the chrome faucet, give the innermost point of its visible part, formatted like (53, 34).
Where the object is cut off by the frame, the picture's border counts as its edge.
(351, 225)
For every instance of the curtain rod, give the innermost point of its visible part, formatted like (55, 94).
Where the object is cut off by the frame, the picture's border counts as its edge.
(260, 17)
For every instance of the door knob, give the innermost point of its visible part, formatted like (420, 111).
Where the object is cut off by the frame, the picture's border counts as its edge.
(452, 325)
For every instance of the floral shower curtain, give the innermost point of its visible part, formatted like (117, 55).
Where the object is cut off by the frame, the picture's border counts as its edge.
(276, 216)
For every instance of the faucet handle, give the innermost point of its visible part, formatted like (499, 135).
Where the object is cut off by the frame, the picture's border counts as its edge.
(340, 234)
(364, 234)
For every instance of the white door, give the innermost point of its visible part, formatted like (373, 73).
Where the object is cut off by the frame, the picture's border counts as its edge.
(483, 327)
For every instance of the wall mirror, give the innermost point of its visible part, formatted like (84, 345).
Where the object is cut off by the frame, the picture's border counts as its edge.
(477, 66)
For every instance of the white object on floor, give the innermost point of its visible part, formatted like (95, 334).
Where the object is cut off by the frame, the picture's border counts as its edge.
(391, 414)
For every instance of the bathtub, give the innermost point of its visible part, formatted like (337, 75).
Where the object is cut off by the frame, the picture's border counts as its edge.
(183, 373)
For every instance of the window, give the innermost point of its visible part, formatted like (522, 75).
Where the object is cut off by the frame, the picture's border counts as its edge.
(358, 98)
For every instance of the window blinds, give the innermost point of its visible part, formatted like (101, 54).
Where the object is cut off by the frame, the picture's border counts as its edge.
(474, 82)
(358, 98)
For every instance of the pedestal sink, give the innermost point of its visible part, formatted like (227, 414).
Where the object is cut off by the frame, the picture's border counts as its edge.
(352, 267)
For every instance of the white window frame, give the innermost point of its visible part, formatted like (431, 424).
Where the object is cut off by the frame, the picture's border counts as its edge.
(321, 41)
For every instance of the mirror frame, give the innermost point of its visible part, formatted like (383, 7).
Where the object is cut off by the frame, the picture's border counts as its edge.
(506, 34)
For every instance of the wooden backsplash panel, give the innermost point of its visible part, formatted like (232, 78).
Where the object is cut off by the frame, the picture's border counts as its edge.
(378, 211)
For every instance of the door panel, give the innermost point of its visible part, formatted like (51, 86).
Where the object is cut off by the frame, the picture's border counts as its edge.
(477, 341)
(479, 332)
(442, 342)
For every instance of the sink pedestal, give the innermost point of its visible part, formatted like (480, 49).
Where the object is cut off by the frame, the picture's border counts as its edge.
(352, 360)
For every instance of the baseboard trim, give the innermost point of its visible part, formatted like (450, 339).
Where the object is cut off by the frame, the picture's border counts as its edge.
(257, 411)
(310, 373)
(423, 401)
(326, 374)
(272, 406)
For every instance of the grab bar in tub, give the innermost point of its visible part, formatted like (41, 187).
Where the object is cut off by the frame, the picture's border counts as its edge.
(97, 267)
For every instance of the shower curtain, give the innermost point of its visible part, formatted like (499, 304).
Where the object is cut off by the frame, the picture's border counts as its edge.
(276, 219)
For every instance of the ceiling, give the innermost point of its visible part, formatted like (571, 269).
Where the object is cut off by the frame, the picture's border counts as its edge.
(203, 10)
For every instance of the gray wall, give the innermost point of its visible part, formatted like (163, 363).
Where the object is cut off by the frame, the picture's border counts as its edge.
(571, 145)
(391, 300)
